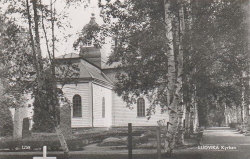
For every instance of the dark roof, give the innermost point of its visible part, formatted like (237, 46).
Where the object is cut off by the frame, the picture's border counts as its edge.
(87, 69)
(91, 72)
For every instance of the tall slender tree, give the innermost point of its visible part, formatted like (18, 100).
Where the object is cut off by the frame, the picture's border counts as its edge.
(184, 41)
(42, 18)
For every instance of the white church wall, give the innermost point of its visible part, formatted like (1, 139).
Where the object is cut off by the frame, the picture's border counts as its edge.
(98, 93)
(81, 89)
(122, 115)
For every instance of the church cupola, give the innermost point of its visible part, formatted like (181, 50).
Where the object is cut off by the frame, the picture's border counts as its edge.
(89, 33)
(87, 42)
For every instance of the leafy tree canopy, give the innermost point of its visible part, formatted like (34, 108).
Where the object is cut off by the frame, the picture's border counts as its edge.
(215, 47)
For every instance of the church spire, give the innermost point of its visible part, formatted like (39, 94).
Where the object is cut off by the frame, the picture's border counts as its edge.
(92, 19)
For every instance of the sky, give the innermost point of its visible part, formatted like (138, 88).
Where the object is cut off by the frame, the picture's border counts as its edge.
(78, 16)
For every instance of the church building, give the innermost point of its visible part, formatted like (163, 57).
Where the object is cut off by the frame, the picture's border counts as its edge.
(94, 102)
(91, 94)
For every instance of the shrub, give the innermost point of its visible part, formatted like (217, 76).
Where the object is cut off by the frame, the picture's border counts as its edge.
(37, 142)
(9, 143)
(6, 122)
(75, 144)
(34, 144)
(52, 144)
(92, 137)
(42, 118)
(233, 125)
(113, 141)
(140, 140)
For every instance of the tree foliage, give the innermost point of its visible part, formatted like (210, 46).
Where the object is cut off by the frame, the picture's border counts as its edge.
(215, 49)
(218, 37)
(6, 122)
(140, 45)
(39, 20)
(25, 68)
(15, 61)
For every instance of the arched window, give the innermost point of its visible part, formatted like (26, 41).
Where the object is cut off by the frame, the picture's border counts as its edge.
(77, 106)
(103, 107)
(140, 107)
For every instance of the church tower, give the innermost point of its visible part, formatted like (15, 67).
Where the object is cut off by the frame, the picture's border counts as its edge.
(88, 42)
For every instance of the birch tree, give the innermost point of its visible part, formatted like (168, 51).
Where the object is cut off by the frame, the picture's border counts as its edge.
(160, 45)
(13, 40)
(41, 19)
(149, 47)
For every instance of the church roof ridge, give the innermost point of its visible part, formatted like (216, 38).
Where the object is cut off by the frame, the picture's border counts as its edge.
(89, 69)
(68, 56)
(94, 74)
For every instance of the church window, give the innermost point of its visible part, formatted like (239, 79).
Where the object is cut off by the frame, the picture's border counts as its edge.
(140, 107)
(103, 107)
(77, 106)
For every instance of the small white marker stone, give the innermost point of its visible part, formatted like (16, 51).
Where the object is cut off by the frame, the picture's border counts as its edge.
(44, 151)
(44, 154)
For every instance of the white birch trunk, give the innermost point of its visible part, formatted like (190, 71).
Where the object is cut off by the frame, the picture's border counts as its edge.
(242, 99)
(188, 121)
(171, 101)
(175, 94)
(179, 94)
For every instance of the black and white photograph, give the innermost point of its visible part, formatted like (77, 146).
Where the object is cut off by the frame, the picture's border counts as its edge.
(124, 79)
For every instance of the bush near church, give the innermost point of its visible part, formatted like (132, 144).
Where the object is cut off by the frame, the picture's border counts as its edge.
(6, 122)
(37, 142)
(76, 141)
(44, 106)
(234, 125)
